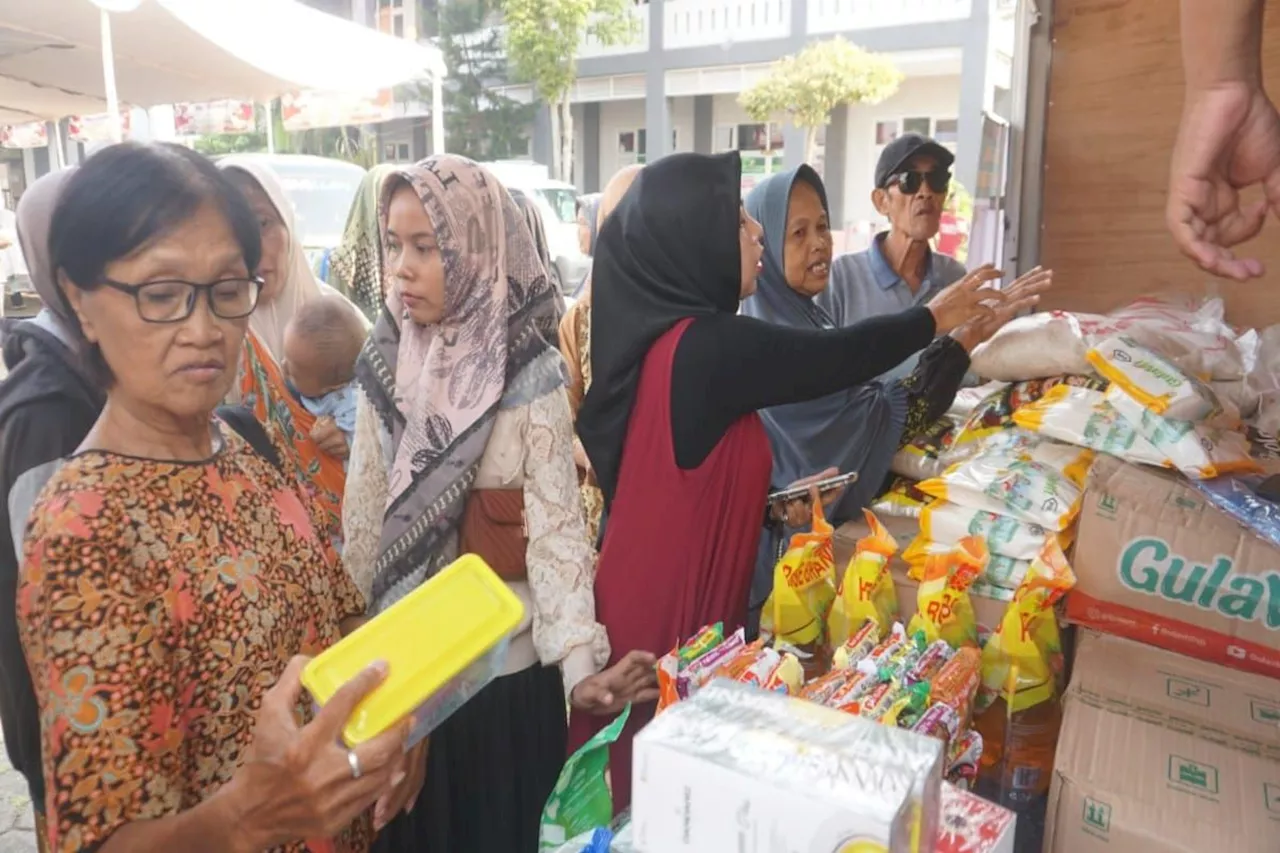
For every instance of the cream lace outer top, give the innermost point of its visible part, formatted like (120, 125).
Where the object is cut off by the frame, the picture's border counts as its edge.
(531, 447)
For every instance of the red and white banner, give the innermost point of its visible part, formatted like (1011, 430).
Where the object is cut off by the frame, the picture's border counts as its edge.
(96, 128)
(33, 134)
(214, 117)
(307, 110)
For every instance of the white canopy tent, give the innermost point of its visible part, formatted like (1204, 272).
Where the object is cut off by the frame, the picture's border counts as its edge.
(170, 51)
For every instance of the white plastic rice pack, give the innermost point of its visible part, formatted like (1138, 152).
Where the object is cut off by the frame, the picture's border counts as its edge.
(1153, 381)
(1200, 452)
(1047, 343)
(1188, 331)
(1006, 484)
(1073, 461)
(945, 522)
(1082, 416)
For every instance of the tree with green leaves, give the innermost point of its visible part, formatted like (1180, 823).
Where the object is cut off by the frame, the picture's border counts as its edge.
(543, 37)
(806, 87)
(480, 121)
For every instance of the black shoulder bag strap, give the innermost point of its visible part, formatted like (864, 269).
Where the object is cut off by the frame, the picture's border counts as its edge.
(246, 424)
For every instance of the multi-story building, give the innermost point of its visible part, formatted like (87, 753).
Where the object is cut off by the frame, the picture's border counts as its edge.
(675, 86)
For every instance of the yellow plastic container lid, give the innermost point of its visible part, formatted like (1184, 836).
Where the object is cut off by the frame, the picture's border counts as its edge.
(428, 639)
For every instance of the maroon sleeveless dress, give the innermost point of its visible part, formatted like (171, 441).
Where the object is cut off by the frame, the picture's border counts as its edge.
(679, 547)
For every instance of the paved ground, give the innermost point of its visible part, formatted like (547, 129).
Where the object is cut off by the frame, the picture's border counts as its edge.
(16, 830)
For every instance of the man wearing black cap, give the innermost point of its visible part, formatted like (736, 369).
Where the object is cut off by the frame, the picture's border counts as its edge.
(899, 270)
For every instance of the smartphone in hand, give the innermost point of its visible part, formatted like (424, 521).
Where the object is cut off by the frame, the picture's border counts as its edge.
(831, 484)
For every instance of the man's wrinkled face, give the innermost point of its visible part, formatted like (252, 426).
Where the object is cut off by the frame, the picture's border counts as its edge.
(913, 200)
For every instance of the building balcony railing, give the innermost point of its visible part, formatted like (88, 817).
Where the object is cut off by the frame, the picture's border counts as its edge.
(832, 16)
(710, 23)
(704, 23)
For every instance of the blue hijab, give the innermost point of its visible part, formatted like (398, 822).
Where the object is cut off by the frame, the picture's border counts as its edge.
(854, 430)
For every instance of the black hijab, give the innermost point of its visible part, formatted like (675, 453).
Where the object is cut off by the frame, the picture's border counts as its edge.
(669, 251)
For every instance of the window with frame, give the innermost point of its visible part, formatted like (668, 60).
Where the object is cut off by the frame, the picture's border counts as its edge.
(917, 124)
(886, 131)
(391, 17)
(946, 131)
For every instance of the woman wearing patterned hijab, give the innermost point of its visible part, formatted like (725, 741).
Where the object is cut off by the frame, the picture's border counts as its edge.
(462, 404)
(355, 268)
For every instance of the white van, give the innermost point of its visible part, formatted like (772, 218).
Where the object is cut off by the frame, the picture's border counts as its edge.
(557, 202)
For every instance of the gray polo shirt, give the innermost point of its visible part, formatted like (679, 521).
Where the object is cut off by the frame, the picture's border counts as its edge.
(865, 285)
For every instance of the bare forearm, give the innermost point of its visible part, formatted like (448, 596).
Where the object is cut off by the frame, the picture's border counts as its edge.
(1221, 42)
(214, 826)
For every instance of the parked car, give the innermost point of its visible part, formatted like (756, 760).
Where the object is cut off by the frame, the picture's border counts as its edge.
(321, 191)
(557, 202)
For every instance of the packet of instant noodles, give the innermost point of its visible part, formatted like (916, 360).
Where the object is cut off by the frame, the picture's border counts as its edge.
(866, 591)
(1027, 639)
(803, 587)
(702, 642)
(944, 610)
(956, 684)
(674, 666)
(697, 674)
(787, 677)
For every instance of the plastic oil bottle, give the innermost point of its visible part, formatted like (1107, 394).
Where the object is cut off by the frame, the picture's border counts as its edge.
(1020, 737)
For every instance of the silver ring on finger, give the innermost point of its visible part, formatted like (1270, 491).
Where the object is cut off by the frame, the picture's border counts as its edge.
(353, 761)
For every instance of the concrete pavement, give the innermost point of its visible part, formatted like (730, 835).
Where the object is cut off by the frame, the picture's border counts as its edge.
(17, 827)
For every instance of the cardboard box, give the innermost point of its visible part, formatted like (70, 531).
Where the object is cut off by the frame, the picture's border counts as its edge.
(1161, 753)
(1157, 563)
(989, 611)
(970, 824)
(719, 774)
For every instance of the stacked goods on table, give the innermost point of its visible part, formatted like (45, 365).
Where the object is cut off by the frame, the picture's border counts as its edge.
(967, 824)
(985, 476)
(1160, 554)
(929, 678)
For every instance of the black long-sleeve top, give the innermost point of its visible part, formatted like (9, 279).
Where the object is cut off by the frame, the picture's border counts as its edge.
(727, 366)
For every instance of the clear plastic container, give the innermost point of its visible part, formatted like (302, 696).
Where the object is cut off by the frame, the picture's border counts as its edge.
(442, 643)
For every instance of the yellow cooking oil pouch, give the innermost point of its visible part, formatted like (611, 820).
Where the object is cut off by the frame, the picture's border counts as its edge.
(803, 587)
(1027, 643)
(943, 608)
(866, 590)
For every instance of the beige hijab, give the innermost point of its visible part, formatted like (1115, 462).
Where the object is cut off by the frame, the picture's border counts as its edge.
(269, 319)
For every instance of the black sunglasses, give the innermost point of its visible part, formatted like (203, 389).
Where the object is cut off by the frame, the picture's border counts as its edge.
(172, 301)
(909, 182)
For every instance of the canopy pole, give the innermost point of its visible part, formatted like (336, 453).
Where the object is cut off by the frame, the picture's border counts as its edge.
(271, 127)
(109, 78)
(59, 149)
(437, 114)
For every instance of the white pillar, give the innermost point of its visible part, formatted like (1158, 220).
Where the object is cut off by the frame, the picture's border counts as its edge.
(109, 77)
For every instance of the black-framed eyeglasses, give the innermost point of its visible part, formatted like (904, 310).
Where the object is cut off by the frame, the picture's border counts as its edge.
(939, 180)
(174, 300)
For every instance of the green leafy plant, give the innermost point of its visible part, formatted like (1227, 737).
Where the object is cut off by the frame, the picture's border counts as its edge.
(806, 87)
(542, 40)
(481, 122)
